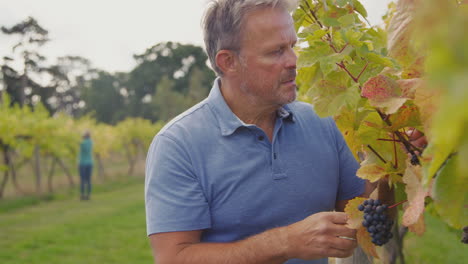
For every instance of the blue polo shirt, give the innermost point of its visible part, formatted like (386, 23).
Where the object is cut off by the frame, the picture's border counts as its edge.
(207, 169)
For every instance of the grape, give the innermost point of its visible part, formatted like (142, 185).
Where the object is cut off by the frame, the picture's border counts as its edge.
(376, 221)
(379, 209)
(361, 207)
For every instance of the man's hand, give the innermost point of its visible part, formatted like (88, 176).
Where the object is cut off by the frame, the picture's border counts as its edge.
(417, 138)
(321, 235)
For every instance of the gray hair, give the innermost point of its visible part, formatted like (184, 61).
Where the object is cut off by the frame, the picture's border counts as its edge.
(223, 22)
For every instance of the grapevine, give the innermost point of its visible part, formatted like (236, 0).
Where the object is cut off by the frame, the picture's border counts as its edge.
(387, 88)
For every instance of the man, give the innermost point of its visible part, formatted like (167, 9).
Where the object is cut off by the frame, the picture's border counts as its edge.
(249, 175)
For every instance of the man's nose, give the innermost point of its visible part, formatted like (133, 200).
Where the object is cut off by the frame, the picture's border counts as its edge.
(291, 60)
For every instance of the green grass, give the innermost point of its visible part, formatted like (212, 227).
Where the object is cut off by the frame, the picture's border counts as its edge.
(59, 228)
(438, 245)
(108, 229)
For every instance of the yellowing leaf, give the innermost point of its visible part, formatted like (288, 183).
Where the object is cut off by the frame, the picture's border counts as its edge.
(365, 241)
(427, 100)
(355, 216)
(383, 92)
(406, 116)
(400, 31)
(371, 172)
(415, 193)
(372, 168)
(415, 69)
(419, 227)
(408, 86)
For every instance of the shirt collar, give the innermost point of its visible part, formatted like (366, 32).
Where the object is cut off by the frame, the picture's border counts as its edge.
(227, 120)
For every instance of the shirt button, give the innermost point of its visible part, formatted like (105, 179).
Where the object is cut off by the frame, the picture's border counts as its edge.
(261, 138)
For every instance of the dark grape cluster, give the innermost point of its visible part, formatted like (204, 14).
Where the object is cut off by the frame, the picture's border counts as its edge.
(376, 220)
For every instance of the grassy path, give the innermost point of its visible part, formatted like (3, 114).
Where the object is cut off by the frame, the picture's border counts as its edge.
(108, 229)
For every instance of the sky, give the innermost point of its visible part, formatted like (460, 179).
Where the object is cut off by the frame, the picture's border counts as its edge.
(109, 32)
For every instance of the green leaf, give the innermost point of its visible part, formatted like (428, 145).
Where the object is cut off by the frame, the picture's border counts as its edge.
(341, 3)
(310, 55)
(299, 17)
(450, 194)
(359, 8)
(307, 77)
(347, 20)
(370, 45)
(353, 37)
(349, 98)
(380, 59)
(331, 22)
(328, 63)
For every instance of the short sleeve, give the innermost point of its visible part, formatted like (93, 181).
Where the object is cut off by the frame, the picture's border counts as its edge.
(174, 199)
(350, 185)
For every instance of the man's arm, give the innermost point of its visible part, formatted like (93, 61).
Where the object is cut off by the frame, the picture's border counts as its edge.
(312, 238)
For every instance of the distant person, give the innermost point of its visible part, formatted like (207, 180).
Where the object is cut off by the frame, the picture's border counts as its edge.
(86, 165)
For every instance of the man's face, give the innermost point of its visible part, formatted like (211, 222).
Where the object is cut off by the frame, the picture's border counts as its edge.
(267, 57)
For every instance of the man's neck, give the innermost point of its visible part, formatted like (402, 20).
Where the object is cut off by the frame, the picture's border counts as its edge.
(249, 110)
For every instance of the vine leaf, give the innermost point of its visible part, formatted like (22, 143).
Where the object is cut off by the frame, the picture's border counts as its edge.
(450, 195)
(427, 101)
(409, 86)
(415, 69)
(355, 216)
(407, 116)
(400, 31)
(416, 194)
(383, 92)
(371, 169)
(365, 241)
(419, 227)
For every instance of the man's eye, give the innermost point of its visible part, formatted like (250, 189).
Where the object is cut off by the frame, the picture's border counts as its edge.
(279, 51)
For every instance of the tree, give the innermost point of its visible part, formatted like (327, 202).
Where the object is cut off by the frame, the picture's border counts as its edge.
(177, 62)
(102, 97)
(69, 76)
(20, 83)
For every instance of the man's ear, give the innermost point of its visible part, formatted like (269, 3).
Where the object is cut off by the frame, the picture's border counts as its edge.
(227, 61)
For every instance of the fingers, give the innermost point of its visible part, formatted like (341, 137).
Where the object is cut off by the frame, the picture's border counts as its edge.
(341, 230)
(338, 247)
(414, 134)
(342, 244)
(420, 142)
(338, 217)
(337, 225)
(417, 138)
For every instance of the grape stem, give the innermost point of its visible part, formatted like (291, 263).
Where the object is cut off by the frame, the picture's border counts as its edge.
(377, 154)
(397, 204)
